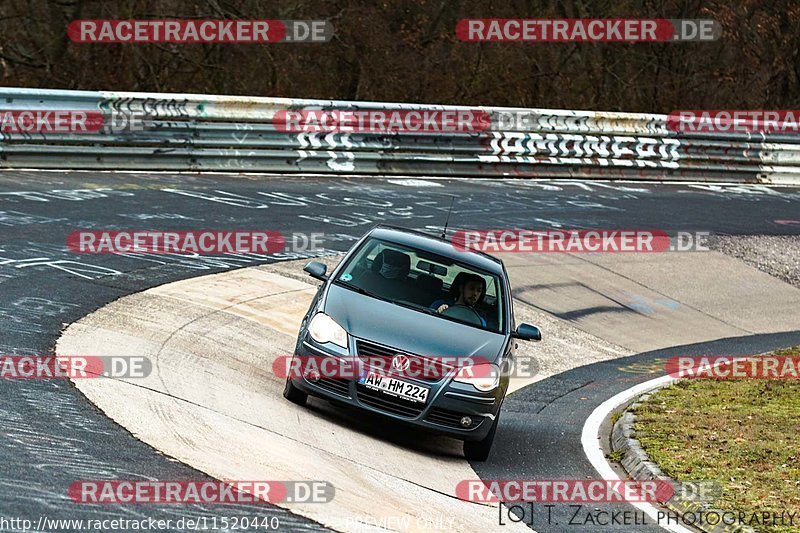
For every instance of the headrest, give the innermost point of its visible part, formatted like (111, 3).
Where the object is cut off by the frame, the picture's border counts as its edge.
(393, 258)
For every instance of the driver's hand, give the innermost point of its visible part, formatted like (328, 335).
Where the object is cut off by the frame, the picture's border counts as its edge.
(441, 308)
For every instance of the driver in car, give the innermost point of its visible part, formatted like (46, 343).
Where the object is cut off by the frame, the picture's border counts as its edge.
(470, 289)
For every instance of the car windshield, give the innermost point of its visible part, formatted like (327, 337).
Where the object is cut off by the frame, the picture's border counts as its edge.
(426, 282)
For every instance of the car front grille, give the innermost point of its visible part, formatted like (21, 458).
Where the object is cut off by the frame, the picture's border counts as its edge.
(335, 385)
(452, 419)
(390, 404)
(428, 369)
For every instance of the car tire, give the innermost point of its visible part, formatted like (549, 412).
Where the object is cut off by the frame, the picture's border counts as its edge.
(293, 394)
(479, 450)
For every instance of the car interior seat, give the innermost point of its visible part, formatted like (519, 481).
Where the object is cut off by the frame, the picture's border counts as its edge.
(392, 257)
(394, 288)
(429, 288)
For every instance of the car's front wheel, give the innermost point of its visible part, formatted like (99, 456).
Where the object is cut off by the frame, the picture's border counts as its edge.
(479, 450)
(293, 394)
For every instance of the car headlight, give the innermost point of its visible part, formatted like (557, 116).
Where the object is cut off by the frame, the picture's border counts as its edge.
(484, 377)
(323, 328)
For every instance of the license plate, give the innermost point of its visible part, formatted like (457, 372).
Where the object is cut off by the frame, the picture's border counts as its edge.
(395, 387)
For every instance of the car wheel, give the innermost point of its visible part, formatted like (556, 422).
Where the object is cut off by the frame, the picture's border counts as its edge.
(293, 394)
(479, 450)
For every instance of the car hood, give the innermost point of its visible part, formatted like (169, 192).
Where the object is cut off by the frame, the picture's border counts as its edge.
(408, 330)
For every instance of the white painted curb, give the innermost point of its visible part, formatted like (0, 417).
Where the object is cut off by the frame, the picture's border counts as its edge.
(590, 439)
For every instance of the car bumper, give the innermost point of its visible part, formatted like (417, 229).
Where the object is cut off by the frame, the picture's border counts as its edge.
(446, 405)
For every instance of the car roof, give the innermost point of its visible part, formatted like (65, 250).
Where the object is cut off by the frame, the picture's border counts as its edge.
(437, 245)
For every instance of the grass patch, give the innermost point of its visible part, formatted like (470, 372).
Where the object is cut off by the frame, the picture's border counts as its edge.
(615, 456)
(744, 434)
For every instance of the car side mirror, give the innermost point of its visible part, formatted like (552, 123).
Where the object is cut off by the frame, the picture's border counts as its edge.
(317, 270)
(527, 332)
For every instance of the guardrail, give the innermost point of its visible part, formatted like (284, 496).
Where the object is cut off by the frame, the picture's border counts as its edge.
(189, 132)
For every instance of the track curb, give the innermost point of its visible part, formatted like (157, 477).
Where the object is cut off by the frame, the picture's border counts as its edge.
(640, 467)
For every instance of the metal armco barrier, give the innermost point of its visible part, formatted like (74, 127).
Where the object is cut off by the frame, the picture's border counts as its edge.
(188, 132)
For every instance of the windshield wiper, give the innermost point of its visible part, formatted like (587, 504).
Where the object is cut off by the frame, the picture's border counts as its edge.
(356, 288)
(359, 290)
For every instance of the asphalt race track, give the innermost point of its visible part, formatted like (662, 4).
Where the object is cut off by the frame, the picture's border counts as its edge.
(532, 446)
(51, 435)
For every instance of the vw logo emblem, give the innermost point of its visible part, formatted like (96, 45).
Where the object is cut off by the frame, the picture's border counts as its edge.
(400, 362)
